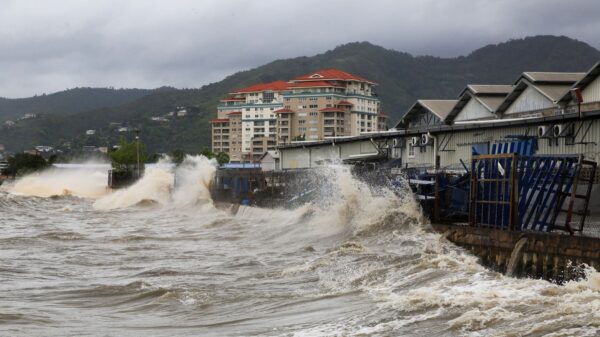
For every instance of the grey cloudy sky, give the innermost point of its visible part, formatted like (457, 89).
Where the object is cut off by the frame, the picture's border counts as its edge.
(47, 46)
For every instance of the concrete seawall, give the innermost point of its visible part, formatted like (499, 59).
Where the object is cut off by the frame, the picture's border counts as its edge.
(550, 256)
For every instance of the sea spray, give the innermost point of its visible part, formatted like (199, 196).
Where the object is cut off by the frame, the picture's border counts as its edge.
(344, 200)
(183, 186)
(155, 186)
(192, 181)
(81, 182)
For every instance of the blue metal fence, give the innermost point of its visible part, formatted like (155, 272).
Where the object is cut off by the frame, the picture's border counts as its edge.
(514, 192)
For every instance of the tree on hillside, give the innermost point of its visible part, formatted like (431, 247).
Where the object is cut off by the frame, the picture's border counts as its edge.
(126, 156)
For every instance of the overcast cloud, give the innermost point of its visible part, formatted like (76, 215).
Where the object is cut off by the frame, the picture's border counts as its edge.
(47, 46)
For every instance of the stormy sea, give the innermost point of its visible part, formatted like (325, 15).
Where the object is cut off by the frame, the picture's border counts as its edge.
(161, 259)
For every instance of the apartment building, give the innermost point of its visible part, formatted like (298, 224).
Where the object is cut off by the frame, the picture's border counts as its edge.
(327, 103)
(245, 126)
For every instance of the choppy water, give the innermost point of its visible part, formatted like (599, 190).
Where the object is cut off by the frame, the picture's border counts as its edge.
(363, 264)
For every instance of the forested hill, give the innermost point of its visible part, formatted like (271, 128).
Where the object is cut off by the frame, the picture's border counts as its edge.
(68, 101)
(402, 79)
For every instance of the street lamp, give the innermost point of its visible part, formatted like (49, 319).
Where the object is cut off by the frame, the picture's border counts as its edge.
(137, 145)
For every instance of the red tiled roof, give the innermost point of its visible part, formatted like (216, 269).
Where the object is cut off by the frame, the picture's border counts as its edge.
(235, 113)
(313, 84)
(345, 103)
(284, 111)
(332, 110)
(273, 86)
(331, 74)
(219, 120)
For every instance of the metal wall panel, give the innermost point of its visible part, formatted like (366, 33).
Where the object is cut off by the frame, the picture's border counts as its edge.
(530, 99)
(323, 155)
(592, 92)
(473, 110)
(294, 158)
(459, 146)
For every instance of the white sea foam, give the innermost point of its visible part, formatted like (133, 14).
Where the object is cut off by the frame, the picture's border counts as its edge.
(85, 182)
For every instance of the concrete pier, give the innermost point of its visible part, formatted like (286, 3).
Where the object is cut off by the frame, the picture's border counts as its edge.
(551, 256)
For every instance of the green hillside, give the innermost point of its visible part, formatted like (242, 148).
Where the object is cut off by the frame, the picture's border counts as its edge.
(402, 79)
(68, 101)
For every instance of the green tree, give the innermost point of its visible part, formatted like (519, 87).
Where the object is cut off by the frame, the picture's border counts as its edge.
(126, 156)
(23, 163)
(222, 158)
(207, 153)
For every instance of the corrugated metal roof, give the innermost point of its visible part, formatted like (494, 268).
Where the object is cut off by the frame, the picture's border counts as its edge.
(552, 91)
(491, 102)
(440, 107)
(482, 89)
(539, 76)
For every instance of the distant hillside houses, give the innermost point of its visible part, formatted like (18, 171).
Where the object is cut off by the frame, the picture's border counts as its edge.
(28, 116)
(315, 106)
(159, 119)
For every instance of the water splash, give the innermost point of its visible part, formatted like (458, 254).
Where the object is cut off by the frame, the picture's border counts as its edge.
(81, 182)
(184, 186)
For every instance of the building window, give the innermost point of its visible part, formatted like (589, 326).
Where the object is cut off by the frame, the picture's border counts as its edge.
(313, 106)
(411, 151)
(314, 113)
(268, 97)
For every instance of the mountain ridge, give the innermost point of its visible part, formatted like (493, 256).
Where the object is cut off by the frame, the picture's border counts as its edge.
(402, 79)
